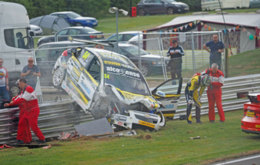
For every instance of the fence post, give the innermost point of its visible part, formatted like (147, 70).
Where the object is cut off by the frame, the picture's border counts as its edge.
(193, 53)
(160, 43)
(226, 62)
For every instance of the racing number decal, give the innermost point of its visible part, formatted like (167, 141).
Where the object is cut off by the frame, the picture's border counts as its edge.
(85, 55)
(106, 76)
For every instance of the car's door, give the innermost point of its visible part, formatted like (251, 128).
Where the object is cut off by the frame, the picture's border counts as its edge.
(168, 93)
(159, 7)
(83, 77)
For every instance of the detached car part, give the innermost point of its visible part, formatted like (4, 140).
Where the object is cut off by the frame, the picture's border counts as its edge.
(135, 119)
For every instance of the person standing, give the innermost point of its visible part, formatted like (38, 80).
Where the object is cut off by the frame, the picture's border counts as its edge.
(216, 48)
(29, 113)
(30, 72)
(175, 65)
(4, 84)
(193, 91)
(214, 92)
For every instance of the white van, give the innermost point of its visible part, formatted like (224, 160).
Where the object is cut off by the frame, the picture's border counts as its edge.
(225, 4)
(15, 41)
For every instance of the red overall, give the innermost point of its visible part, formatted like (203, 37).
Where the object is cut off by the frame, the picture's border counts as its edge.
(214, 93)
(28, 117)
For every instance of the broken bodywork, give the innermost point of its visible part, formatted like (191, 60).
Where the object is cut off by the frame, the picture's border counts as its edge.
(108, 84)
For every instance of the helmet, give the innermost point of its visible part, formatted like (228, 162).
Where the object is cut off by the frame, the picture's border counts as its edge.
(205, 79)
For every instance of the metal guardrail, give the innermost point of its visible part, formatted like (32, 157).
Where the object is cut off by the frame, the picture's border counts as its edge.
(230, 102)
(57, 117)
(54, 118)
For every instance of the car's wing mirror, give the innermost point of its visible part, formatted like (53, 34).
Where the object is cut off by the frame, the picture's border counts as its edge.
(160, 93)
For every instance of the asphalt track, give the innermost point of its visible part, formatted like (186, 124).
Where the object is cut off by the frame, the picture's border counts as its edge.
(249, 160)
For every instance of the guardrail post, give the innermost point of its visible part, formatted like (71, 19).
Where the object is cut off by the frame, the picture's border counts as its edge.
(226, 62)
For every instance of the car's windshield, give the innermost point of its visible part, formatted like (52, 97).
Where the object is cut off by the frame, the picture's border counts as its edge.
(126, 79)
(73, 15)
(133, 50)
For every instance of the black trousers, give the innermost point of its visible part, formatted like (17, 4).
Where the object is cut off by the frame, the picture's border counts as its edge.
(175, 67)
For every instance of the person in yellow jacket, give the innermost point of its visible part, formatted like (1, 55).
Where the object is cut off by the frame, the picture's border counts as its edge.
(193, 91)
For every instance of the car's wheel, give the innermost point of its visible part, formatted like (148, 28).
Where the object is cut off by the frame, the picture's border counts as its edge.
(58, 76)
(141, 12)
(170, 11)
(144, 69)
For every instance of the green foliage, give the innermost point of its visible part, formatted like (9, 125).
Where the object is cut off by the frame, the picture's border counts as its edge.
(37, 8)
(195, 5)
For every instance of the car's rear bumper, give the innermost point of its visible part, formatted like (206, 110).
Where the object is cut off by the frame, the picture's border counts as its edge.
(250, 125)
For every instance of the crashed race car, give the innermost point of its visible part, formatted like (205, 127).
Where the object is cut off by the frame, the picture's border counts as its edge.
(250, 123)
(109, 85)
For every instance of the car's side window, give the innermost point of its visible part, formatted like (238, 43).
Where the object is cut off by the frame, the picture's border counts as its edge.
(63, 32)
(85, 58)
(94, 69)
(73, 32)
(128, 37)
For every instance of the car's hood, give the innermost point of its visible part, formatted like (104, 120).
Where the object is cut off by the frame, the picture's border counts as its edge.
(128, 98)
(153, 56)
(85, 18)
(179, 3)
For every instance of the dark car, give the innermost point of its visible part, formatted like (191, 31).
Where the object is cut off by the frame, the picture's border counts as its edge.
(145, 7)
(150, 63)
(46, 56)
(254, 4)
(75, 19)
(79, 32)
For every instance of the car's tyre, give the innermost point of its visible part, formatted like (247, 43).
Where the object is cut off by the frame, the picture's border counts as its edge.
(58, 76)
(141, 12)
(170, 11)
(144, 69)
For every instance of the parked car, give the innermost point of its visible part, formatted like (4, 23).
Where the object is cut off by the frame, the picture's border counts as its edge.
(75, 19)
(36, 30)
(106, 83)
(46, 56)
(254, 4)
(225, 4)
(250, 123)
(79, 32)
(150, 63)
(124, 36)
(145, 7)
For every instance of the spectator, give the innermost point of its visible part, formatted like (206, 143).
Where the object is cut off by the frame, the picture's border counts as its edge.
(214, 92)
(215, 47)
(29, 112)
(197, 82)
(4, 84)
(175, 65)
(30, 72)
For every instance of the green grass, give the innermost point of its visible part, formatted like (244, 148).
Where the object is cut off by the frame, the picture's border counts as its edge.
(171, 145)
(244, 63)
(108, 25)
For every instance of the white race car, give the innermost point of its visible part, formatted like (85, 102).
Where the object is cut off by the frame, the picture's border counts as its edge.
(106, 83)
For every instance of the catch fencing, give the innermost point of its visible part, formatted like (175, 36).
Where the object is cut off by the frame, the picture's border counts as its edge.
(61, 114)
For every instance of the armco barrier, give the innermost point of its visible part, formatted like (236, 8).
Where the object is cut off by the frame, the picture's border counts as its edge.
(61, 116)
(54, 118)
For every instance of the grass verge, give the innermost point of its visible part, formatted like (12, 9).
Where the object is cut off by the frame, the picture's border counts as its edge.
(244, 63)
(171, 145)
